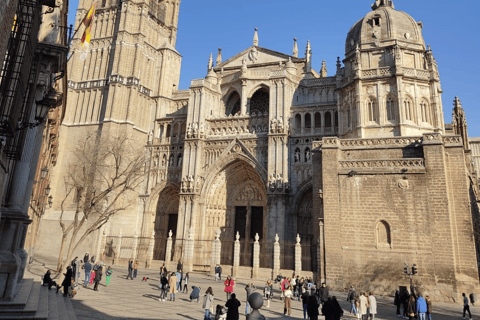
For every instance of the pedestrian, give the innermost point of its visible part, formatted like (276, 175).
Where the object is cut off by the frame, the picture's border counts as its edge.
(421, 308)
(163, 269)
(76, 269)
(86, 257)
(352, 294)
(130, 270)
(429, 307)
(185, 286)
(179, 265)
(98, 277)
(249, 288)
(229, 283)
(180, 280)
(195, 293)
(284, 286)
(404, 299)
(363, 306)
(72, 290)
(312, 308)
(88, 269)
(287, 309)
(305, 299)
(373, 305)
(397, 302)
(411, 307)
(92, 275)
(108, 275)
(207, 303)
(323, 293)
(135, 269)
(172, 282)
(466, 306)
(48, 281)
(328, 309)
(357, 307)
(338, 313)
(232, 307)
(163, 287)
(268, 291)
(67, 281)
(218, 273)
(93, 259)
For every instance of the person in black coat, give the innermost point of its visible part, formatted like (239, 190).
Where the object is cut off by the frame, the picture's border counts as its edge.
(312, 308)
(67, 281)
(323, 293)
(98, 278)
(233, 304)
(396, 301)
(47, 280)
(328, 309)
(338, 313)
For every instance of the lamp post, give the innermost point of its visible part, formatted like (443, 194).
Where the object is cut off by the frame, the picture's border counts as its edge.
(411, 273)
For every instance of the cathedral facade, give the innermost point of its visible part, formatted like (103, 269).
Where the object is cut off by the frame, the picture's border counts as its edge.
(357, 164)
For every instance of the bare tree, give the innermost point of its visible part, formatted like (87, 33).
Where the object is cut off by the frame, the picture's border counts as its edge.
(103, 179)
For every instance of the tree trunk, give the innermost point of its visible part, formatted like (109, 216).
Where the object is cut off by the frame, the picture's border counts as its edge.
(70, 246)
(62, 250)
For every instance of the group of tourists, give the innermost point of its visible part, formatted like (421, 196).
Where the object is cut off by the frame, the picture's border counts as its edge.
(173, 282)
(363, 305)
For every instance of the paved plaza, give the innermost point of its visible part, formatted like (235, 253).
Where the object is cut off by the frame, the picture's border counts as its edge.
(137, 299)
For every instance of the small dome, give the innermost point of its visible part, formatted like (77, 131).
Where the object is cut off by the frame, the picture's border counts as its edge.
(384, 25)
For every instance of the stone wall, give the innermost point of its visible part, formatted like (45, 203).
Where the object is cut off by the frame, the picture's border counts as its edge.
(396, 209)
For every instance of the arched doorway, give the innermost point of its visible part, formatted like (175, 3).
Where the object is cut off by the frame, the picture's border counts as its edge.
(165, 220)
(236, 201)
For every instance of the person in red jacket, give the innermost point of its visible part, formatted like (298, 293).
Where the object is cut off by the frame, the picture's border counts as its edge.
(229, 283)
(285, 285)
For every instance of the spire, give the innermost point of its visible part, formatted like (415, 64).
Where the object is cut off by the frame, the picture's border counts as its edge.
(295, 48)
(219, 56)
(323, 71)
(308, 57)
(339, 66)
(255, 38)
(459, 122)
(210, 62)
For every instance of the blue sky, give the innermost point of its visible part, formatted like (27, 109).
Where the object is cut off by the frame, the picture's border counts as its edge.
(452, 30)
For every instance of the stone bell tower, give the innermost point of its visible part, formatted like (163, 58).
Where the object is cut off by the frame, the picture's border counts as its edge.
(123, 79)
(390, 84)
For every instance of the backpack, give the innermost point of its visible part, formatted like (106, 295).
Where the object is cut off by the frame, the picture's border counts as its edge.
(285, 285)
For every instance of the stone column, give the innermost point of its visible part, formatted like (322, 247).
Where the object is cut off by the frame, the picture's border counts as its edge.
(151, 245)
(135, 245)
(118, 248)
(276, 257)
(190, 243)
(236, 255)
(168, 254)
(256, 257)
(216, 251)
(298, 256)
(243, 106)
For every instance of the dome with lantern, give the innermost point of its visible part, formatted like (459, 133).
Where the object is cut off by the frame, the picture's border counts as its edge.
(385, 26)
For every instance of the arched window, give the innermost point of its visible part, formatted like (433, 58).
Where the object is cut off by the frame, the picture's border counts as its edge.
(260, 101)
(391, 109)
(298, 121)
(336, 119)
(384, 238)
(233, 104)
(175, 130)
(425, 111)
(328, 119)
(168, 133)
(349, 119)
(160, 134)
(318, 120)
(371, 112)
(308, 120)
(408, 107)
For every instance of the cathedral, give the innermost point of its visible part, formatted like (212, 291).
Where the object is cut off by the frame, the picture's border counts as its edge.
(358, 164)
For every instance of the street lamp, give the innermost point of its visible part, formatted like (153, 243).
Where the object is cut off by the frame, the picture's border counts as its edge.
(47, 190)
(41, 112)
(43, 173)
(50, 201)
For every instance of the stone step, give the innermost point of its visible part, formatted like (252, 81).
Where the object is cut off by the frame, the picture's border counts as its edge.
(21, 298)
(42, 311)
(32, 303)
(52, 305)
(62, 311)
(70, 313)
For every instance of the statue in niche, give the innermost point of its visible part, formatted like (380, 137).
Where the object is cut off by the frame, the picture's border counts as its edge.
(280, 124)
(156, 160)
(189, 131)
(307, 155)
(195, 129)
(171, 163)
(150, 136)
(297, 155)
(179, 161)
(273, 125)
(164, 161)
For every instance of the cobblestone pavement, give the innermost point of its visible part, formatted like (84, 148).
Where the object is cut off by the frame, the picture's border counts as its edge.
(137, 299)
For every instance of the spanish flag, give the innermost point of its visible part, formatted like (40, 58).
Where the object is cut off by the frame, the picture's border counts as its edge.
(88, 21)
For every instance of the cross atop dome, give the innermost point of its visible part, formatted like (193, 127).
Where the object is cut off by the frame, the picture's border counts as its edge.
(382, 3)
